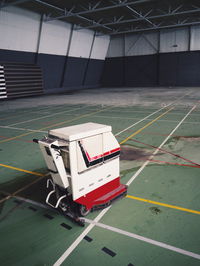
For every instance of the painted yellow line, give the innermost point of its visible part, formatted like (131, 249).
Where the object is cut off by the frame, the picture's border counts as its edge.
(147, 125)
(163, 204)
(57, 124)
(21, 170)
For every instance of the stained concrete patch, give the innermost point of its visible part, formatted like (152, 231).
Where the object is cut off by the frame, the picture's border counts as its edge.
(130, 153)
(155, 210)
(132, 156)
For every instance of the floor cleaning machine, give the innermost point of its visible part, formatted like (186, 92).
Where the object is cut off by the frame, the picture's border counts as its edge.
(83, 161)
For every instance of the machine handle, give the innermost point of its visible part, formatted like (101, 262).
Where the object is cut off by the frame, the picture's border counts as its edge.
(36, 140)
(55, 146)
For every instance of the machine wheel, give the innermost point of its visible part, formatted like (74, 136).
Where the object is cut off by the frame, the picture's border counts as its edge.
(83, 210)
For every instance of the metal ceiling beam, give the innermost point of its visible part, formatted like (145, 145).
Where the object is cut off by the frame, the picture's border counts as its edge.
(137, 30)
(149, 17)
(136, 13)
(96, 9)
(140, 16)
(71, 14)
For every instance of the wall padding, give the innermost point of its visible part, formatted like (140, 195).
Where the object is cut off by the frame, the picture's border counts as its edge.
(165, 69)
(113, 73)
(141, 70)
(94, 73)
(75, 71)
(52, 66)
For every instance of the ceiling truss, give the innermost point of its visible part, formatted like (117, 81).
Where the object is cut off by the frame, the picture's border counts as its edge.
(117, 16)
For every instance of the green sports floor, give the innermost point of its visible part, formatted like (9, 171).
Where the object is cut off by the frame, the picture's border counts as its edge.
(157, 224)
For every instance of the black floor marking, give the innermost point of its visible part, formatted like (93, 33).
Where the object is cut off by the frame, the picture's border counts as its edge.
(48, 216)
(109, 252)
(87, 238)
(32, 208)
(130, 264)
(18, 201)
(66, 226)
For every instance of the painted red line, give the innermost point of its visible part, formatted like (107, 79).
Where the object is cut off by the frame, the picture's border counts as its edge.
(174, 154)
(179, 164)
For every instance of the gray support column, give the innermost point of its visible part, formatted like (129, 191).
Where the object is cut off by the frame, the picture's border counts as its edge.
(158, 60)
(189, 38)
(39, 38)
(88, 61)
(66, 57)
(124, 59)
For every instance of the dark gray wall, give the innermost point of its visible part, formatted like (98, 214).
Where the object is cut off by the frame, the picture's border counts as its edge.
(179, 69)
(167, 69)
(70, 72)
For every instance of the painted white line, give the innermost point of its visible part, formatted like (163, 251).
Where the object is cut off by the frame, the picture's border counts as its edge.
(140, 121)
(119, 231)
(38, 118)
(156, 151)
(32, 202)
(80, 238)
(148, 119)
(153, 113)
(26, 129)
(145, 239)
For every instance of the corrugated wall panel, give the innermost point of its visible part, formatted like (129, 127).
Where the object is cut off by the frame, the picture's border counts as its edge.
(54, 38)
(174, 40)
(100, 47)
(116, 46)
(81, 43)
(141, 44)
(19, 29)
(195, 38)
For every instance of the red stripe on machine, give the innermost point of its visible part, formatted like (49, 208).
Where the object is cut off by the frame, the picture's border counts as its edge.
(101, 155)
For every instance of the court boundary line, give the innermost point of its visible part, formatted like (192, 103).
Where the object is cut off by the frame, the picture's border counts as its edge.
(122, 232)
(23, 129)
(38, 118)
(144, 239)
(145, 126)
(60, 123)
(131, 118)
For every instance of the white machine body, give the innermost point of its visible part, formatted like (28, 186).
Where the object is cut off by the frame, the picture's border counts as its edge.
(88, 157)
